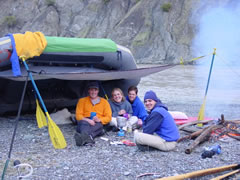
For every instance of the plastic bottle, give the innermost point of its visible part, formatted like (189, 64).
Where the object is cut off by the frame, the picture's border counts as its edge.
(121, 132)
(211, 151)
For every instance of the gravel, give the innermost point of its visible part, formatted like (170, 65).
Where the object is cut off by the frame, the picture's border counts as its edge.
(103, 160)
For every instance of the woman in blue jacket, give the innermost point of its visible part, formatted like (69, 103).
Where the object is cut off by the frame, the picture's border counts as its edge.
(137, 105)
(159, 128)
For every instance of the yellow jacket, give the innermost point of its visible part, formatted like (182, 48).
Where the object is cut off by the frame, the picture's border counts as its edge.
(85, 107)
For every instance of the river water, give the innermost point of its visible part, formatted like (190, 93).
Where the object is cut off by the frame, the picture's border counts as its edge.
(182, 88)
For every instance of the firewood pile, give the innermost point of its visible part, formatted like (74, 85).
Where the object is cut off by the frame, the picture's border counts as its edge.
(213, 130)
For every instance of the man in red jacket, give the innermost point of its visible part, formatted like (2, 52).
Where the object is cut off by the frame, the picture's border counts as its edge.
(92, 112)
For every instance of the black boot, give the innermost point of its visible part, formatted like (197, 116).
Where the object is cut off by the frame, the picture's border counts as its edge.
(83, 139)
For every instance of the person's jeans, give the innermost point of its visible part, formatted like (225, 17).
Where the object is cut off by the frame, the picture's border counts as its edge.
(85, 127)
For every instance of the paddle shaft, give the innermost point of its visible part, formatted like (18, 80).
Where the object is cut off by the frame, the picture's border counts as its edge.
(55, 133)
(35, 86)
(15, 128)
(105, 94)
(201, 172)
(202, 109)
(210, 71)
(226, 175)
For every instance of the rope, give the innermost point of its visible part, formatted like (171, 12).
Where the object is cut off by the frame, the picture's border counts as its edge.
(15, 128)
(227, 64)
(24, 166)
(194, 59)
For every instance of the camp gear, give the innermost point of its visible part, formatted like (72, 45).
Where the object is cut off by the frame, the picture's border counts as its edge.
(121, 121)
(55, 133)
(23, 167)
(121, 132)
(128, 142)
(211, 151)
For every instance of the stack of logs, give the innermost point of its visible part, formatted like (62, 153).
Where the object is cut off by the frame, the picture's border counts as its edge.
(225, 127)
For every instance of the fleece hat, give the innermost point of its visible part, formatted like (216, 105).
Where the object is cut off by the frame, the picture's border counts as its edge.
(151, 95)
(93, 84)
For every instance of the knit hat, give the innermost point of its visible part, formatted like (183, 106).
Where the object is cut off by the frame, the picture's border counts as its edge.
(151, 95)
(93, 84)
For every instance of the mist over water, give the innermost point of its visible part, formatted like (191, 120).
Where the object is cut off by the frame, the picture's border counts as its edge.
(218, 27)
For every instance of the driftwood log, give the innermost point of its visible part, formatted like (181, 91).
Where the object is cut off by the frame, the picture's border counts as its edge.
(202, 137)
(225, 127)
(191, 136)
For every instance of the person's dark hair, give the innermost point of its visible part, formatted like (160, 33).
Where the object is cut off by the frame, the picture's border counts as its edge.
(133, 88)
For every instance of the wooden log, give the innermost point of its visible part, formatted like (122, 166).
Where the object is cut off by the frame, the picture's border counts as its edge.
(191, 129)
(193, 123)
(191, 136)
(234, 137)
(201, 172)
(202, 137)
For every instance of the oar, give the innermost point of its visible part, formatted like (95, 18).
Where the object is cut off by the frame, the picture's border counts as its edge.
(40, 116)
(15, 128)
(226, 175)
(105, 94)
(202, 109)
(203, 172)
(55, 133)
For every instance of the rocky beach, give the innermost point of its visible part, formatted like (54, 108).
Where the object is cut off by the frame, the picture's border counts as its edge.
(109, 160)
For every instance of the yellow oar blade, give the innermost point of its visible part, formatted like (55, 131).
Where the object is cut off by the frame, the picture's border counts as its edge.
(202, 112)
(40, 116)
(56, 135)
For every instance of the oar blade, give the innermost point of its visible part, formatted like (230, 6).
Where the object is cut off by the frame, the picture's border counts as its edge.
(201, 112)
(55, 134)
(40, 116)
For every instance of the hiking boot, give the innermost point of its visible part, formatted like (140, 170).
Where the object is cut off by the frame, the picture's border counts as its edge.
(145, 148)
(83, 139)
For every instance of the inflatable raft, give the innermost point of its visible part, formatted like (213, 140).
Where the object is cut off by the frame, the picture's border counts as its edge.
(63, 69)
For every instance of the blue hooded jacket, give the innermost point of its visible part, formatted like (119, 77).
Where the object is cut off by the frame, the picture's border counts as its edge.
(138, 108)
(162, 123)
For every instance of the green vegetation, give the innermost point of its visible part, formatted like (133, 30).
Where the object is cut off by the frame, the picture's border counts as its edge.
(166, 7)
(50, 2)
(10, 20)
(141, 38)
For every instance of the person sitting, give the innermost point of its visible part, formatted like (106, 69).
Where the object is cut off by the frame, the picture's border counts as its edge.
(89, 127)
(137, 105)
(159, 128)
(120, 107)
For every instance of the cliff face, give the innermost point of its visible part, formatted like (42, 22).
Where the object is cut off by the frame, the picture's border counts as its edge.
(154, 36)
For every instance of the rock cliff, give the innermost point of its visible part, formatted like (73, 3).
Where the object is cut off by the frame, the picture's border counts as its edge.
(156, 31)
